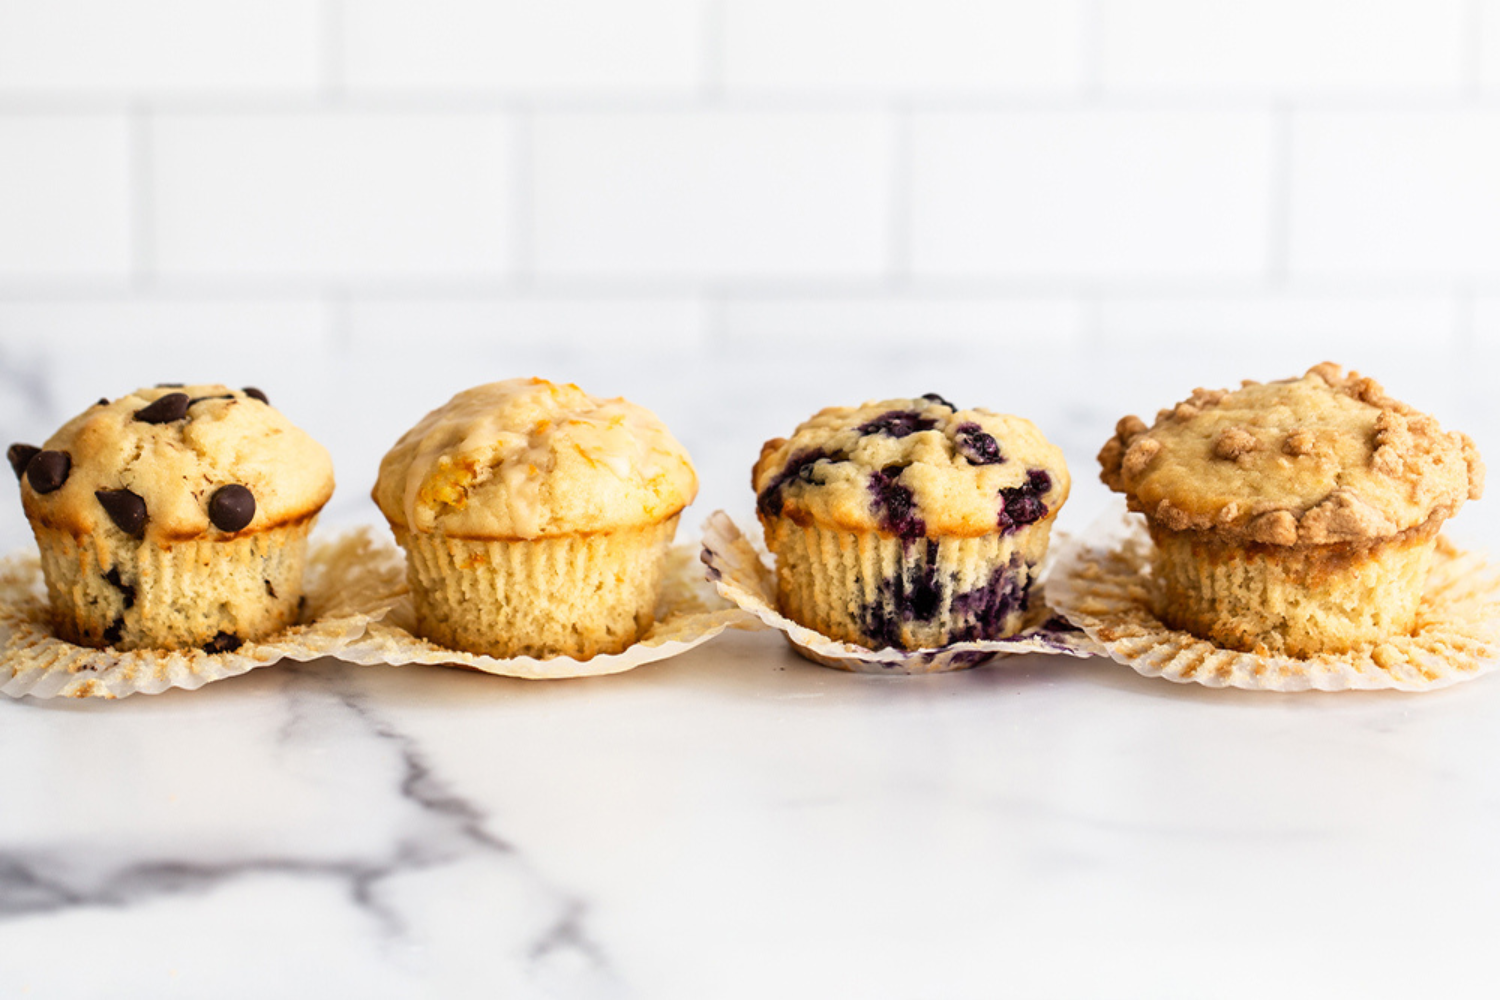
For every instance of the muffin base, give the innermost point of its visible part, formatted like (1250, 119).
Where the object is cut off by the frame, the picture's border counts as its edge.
(575, 595)
(1298, 601)
(208, 594)
(882, 592)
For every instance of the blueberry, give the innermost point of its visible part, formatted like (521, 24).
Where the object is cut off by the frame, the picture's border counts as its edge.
(1022, 505)
(798, 467)
(933, 397)
(894, 504)
(898, 424)
(976, 446)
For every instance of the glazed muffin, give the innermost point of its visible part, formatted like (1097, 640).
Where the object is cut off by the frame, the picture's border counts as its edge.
(908, 522)
(536, 518)
(174, 517)
(1294, 517)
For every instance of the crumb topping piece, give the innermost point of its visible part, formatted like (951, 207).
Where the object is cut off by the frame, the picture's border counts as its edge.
(1326, 458)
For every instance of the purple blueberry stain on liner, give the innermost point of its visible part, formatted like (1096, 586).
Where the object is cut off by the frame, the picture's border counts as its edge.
(898, 424)
(126, 509)
(20, 455)
(231, 507)
(976, 446)
(172, 406)
(48, 470)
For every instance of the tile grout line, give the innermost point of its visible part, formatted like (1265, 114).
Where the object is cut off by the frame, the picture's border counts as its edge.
(142, 197)
(1279, 224)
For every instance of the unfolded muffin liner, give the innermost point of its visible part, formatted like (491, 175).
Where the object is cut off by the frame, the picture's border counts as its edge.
(688, 614)
(33, 661)
(1102, 582)
(741, 571)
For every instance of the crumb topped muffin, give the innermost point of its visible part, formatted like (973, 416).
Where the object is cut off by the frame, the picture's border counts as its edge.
(1295, 516)
(536, 518)
(908, 522)
(174, 517)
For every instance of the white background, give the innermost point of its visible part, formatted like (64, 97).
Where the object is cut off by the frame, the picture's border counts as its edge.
(365, 205)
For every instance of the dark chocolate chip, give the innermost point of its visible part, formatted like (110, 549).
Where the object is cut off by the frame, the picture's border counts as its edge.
(113, 633)
(19, 456)
(255, 393)
(48, 470)
(231, 507)
(933, 397)
(224, 642)
(200, 399)
(172, 406)
(126, 509)
(113, 579)
(103, 401)
(169, 385)
(270, 590)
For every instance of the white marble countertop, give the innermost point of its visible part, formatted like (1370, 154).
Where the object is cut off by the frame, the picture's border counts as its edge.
(737, 821)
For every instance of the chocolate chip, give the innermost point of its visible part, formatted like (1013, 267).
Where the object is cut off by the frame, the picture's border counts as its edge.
(103, 401)
(113, 579)
(126, 509)
(271, 590)
(169, 385)
(172, 406)
(19, 456)
(200, 399)
(231, 507)
(224, 642)
(255, 393)
(48, 470)
(113, 633)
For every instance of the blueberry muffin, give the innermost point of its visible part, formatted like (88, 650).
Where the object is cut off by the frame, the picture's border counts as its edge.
(908, 522)
(536, 518)
(174, 517)
(1294, 517)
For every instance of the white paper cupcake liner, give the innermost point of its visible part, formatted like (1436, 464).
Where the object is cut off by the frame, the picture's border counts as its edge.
(689, 614)
(740, 571)
(1102, 582)
(33, 661)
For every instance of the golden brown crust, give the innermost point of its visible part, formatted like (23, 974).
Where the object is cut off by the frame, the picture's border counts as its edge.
(1325, 459)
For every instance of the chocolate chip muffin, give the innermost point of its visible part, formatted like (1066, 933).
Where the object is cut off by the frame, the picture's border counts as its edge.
(908, 522)
(174, 517)
(1294, 517)
(536, 518)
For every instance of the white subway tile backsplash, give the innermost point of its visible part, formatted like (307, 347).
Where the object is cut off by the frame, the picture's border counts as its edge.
(1284, 46)
(153, 46)
(333, 195)
(1299, 325)
(711, 194)
(64, 197)
(1487, 44)
(531, 322)
(517, 45)
(903, 47)
(1396, 192)
(1091, 194)
(901, 320)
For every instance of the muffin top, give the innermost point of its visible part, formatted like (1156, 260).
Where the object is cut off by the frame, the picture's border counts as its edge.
(527, 458)
(173, 463)
(1326, 458)
(912, 468)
